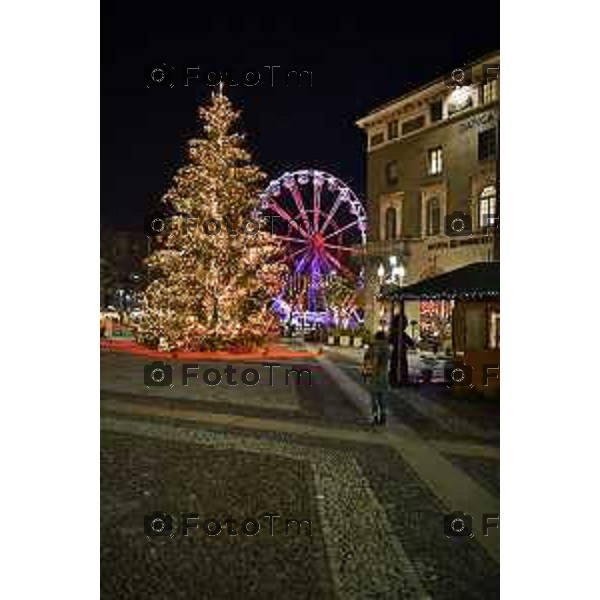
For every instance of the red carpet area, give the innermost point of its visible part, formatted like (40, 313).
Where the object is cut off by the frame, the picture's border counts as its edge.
(271, 352)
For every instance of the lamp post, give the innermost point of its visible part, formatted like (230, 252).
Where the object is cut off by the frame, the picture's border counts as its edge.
(398, 273)
(380, 277)
(398, 364)
(403, 374)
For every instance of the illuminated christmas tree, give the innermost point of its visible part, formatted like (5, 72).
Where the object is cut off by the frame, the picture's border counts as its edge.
(216, 267)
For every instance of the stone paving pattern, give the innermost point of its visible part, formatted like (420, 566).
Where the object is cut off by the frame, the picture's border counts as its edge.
(377, 522)
(141, 475)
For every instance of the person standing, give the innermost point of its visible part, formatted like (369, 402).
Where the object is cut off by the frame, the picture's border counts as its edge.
(379, 356)
(108, 329)
(399, 355)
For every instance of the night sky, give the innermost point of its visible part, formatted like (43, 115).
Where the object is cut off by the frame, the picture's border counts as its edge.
(358, 62)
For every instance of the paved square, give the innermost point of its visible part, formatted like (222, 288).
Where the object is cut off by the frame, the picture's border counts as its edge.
(127, 374)
(376, 499)
(142, 475)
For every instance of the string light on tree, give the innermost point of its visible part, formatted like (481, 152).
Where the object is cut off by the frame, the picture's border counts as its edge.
(212, 291)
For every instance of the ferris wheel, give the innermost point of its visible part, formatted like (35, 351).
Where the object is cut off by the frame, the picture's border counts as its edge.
(323, 225)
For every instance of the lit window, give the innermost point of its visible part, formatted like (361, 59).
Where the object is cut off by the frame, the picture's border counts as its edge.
(487, 207)
(433, 216)
(435, 161)
(494, 341)
(390, 224)
(391, 173)
(490, 91)
(392, 130)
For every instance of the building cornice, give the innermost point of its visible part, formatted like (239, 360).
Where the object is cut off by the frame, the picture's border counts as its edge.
(451, 120)
(421, 94)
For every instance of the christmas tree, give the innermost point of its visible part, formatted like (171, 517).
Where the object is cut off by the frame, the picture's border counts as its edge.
(216, 268)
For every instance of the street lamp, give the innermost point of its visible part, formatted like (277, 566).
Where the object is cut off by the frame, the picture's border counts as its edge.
(403, 378)
(380, 276)
(396, 273)
(398, 365)
(399, 272)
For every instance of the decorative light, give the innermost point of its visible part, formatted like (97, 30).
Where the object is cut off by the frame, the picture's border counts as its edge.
(399, 272)
(460, 95)
(221, 299)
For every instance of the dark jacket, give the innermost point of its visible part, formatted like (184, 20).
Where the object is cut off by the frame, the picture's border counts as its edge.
(379, 357)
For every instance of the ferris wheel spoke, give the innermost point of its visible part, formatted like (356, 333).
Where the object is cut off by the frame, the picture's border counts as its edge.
(293, 188)
(284, 238)
(317, 186)
(300, 265)
(298, 252)
(332, 259)
(336, 247)
(285, 215)
(332, 212)
(337, 231)
(338, 264)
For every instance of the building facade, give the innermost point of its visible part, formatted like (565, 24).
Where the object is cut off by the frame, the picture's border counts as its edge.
(430, 154)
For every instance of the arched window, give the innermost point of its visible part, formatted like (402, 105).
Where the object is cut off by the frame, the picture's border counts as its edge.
(486, 214)
(390, 223)
(433, 216)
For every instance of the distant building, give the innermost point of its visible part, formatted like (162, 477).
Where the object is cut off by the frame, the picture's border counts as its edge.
(430, 153)
(122, 256)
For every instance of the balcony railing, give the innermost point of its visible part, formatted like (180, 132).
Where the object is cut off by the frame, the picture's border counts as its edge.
(376, 247)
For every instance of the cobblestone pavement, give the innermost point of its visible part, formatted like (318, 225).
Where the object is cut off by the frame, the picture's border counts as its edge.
(375, 498)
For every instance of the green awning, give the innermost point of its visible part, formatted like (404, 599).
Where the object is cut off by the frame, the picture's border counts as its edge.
(475, 281)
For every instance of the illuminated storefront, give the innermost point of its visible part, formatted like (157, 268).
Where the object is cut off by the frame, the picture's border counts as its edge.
(461, 307)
